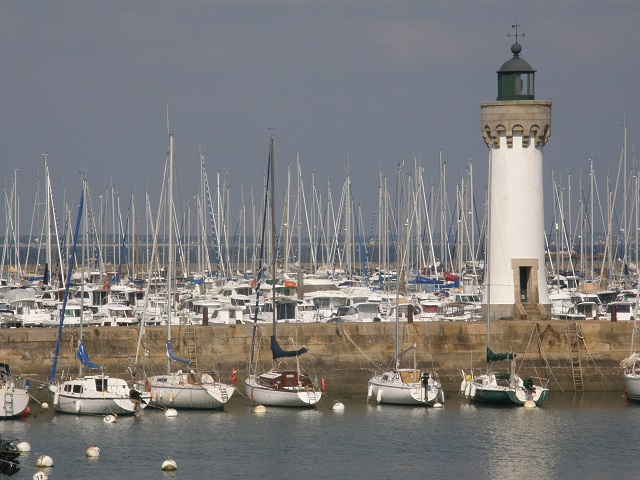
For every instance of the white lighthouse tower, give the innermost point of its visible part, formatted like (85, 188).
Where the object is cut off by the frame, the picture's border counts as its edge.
(515, 128)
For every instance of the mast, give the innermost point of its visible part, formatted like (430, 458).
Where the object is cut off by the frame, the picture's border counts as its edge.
(84, 248)
(397, 346)
(48, 213)
(488, 250)
(273, 234)
(171, 253)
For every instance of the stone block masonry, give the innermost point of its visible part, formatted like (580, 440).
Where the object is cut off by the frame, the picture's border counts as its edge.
(344, 354)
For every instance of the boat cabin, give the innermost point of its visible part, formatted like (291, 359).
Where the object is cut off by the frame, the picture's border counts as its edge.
(287, 380)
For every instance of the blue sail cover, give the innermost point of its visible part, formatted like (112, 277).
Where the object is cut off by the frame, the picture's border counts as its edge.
(172, 355)
(278, 352)
(83, 356)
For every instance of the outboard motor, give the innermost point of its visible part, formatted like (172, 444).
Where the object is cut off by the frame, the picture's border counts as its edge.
(528, 386)
(136, 396)
(424, 379)
(8, 457)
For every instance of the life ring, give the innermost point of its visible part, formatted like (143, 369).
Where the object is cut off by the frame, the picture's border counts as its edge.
(322, 384)
(147, 385)
(232, 376)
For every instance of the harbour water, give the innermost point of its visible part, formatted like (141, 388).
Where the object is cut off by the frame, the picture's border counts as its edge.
(585, 436)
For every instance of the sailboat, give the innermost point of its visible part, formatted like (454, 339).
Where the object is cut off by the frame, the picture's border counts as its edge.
(13, 400)
(182, 389)
(279, 388)
(405, 386)
(499, 387)
(90, 394)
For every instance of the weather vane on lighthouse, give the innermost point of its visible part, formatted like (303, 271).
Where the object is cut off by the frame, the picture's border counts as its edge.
(516, 25)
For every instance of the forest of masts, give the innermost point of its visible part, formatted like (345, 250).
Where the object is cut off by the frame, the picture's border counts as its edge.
(419, 225)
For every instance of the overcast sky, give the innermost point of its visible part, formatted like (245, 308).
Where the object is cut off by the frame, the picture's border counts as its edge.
(377, 82)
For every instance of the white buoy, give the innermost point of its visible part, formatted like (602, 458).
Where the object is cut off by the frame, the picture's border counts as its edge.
(259, 409)
(529, 404)
(170, 413)
(109, 419)
(40, 476)
(437, 405)
(44, 405)
(338, 407)
(93, 451)
(44, 461)
(23, 447)
(169, 465)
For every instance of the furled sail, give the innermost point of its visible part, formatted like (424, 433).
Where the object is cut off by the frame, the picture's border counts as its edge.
(278, 352)
(494, 357)
(45, 275)
(83, 356)
(172, 355)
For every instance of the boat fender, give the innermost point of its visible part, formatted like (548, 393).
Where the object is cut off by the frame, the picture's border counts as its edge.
(78, 406)
(467, 389)
(232, 376)
(472, 392)
(463, 385)
(147, 385)
(369, 391)
(322, 384)
(379, 396)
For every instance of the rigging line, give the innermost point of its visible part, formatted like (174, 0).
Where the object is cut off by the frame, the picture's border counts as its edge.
(549, 369)
(346, 335)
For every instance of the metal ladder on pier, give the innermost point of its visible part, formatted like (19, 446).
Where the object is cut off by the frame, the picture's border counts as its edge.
(575, 337)
(192, 349)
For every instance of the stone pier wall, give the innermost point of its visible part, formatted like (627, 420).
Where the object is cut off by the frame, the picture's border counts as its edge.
(345, 355)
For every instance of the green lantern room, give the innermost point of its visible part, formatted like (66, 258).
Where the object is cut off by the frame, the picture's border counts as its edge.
(516, 78)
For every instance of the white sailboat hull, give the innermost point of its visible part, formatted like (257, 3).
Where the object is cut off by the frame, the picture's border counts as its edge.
(389, 387)
(632, 385)
(13, 401)
(293, 397)
(175, 391)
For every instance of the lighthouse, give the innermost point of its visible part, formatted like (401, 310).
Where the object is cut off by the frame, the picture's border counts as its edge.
(515, 128)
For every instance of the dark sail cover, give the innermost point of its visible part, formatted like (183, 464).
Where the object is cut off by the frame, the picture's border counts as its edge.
(278, 352)
(494, 357)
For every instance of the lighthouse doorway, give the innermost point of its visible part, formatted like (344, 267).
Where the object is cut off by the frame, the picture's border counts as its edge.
(525, 276)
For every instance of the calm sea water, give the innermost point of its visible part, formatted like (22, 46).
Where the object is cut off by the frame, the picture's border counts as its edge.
(587, 436)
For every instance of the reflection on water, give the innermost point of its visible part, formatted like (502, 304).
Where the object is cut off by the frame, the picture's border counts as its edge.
(585, 437)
